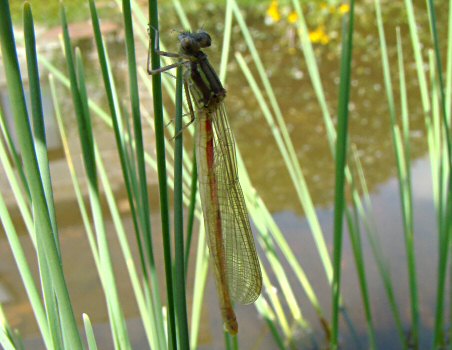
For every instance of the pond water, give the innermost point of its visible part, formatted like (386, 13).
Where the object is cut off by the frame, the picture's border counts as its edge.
(369, 131)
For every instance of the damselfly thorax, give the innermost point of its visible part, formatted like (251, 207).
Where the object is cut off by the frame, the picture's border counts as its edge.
(204, 82)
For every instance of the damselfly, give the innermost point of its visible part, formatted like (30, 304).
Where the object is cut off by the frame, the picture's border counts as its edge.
(230, 240)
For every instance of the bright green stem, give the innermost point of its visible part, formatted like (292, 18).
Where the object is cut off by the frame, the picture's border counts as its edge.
(179, 281)
(341, 156)
(161, 169)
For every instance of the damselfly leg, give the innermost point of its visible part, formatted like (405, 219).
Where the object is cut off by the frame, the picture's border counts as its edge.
(190, 108)
(162, 53)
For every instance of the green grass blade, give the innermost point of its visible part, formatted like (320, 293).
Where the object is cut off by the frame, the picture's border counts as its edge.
(433, 126)
(38, 114)
(231, 342)
(446, 220)
(162, 172)
(439, 70)
(269, 317)
(341, 156)
(143, 198)
(227, 341)
(274, 300)
(415, 42)
(191, 210)
(6, 132)
(449, 111)
(405, 113)
(179, 281)
(314, 73)
(43, 164)
(449, 67)
(23, 267)
(201, 269)
(8, 339)
(226, 42)
(355, 238)
(75, 183)
(91, 340)
(21, 197)
(376, 246)
(119, 330)
(181, 14)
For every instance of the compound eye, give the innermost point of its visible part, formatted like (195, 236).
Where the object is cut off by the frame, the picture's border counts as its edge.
(189, 45)
(204, 39)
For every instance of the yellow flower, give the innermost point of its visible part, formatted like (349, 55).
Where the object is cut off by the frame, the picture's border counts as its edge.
(292, 17)
(319, 36)
(344, 8)
(323, 5)
(325, 39)
(273, 11)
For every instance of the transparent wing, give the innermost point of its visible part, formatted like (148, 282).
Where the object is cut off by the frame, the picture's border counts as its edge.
(242, 264)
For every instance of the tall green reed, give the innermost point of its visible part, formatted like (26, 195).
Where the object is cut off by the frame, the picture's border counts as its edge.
(341, 161)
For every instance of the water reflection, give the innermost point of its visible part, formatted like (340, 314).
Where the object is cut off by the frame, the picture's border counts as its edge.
(369, 130)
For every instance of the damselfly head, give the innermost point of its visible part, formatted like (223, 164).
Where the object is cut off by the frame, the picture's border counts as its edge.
(192, 43)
